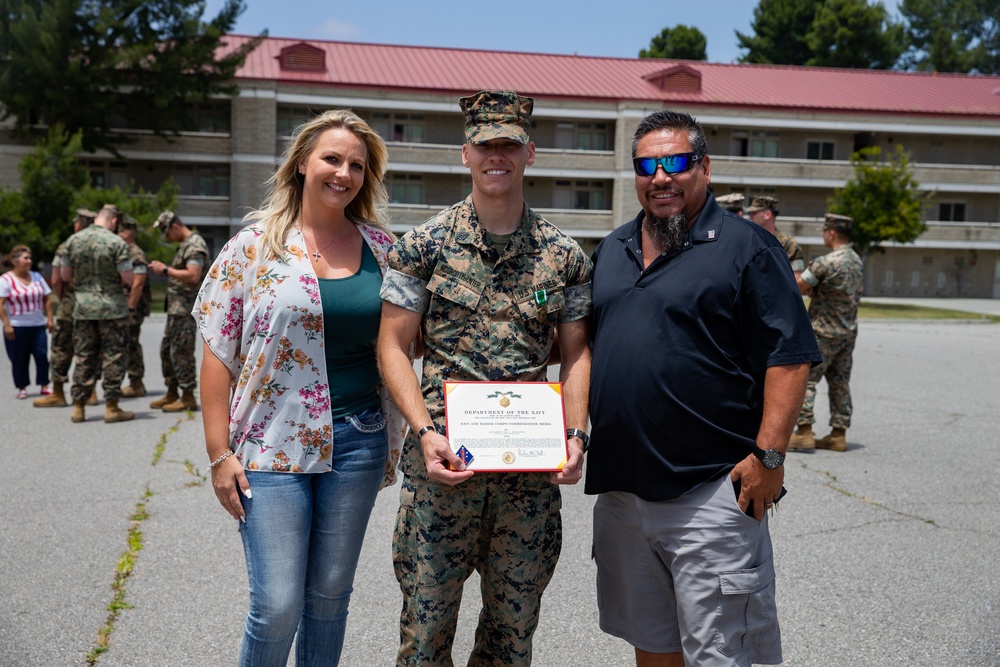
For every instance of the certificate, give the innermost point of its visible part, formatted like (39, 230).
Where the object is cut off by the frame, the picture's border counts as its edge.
(507, 426)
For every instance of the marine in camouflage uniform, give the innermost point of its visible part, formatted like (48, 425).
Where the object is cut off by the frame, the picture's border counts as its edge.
(488, 311)
(177, 353)
(140, 306)
(763, 211)
(98, 262)
(835, 283)
(61, 355)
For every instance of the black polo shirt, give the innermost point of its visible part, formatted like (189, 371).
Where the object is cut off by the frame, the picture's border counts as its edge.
(680, 351)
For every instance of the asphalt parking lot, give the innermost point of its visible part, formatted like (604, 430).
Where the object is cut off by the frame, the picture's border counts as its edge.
(886, 554)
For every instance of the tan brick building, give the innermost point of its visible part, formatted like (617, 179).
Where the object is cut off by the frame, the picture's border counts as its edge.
(784, 131)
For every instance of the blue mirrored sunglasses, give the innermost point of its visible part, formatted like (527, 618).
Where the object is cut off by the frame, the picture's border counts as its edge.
(672, 164)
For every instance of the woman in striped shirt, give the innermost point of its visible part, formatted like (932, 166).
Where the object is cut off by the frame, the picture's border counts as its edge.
(26, 312)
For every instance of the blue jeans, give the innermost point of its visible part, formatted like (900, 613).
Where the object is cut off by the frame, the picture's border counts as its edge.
(302, 539)
(28, 342)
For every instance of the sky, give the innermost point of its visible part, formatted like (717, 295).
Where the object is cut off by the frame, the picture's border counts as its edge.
(614, 28)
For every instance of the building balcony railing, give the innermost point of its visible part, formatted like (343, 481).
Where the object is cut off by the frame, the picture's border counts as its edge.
(440, 155)
(810, 230)
(213, 207)
(834, 173)
(589, 223)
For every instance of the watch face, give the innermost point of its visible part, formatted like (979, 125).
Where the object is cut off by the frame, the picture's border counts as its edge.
(771, 458)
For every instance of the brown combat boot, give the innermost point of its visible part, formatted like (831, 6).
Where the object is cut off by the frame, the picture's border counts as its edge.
(185, 402)
(135, 389)
(803, 440)
(836, 441)
(79, 415)
(112, 413)
(93, 397)
(169, 397)
(57, 399)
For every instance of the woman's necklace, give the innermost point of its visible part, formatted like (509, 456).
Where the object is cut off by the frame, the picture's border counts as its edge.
(336, 236)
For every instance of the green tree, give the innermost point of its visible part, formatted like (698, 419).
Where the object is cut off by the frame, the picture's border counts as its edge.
(50, 178)
(142, 205)
(681, 42)
(854, 34)
(12, 227)
(952, 35)
(91, 65)
(780, 32)
(54, 185)
(883, 199)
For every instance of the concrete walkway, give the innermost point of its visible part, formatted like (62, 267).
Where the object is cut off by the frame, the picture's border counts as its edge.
(886, 554)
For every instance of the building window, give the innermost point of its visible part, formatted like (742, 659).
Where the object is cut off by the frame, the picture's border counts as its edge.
(581, 195)
(406, 189)
(915, 279)
(211, 117)
(583, 136)
(107, 173)
(819, 150)
(289, 118)
(764, 144)
(951, 211)
(202, 180)
(403, 127)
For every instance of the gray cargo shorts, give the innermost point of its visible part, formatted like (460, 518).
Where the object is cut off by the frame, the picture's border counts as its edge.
(693, 575)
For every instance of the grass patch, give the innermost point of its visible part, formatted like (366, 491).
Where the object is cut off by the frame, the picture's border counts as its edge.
(906, 312)
(123, 570)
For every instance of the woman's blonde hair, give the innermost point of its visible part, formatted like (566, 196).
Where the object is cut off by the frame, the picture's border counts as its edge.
(283, 204)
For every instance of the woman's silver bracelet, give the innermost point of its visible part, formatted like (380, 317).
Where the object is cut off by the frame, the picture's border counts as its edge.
(220, 459)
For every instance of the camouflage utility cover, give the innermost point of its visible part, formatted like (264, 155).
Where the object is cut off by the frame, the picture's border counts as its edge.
(837, 281)
(486, 316)
(181, 295)
(496, 114)
(763, 202)
(732, 202)
(97, 255)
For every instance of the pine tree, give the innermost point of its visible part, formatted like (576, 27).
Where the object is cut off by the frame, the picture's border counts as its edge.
(952, 35)
(86, 64)
(681, 42)
(780, 32)
(854, 34)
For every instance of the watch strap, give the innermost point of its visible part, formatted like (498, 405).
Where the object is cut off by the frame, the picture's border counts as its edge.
(425, 430)
(577, 433)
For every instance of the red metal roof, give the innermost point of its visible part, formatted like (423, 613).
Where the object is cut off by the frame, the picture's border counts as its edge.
(462, 71)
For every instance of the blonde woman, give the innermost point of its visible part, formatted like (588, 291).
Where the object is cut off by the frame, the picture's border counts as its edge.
(299, 432)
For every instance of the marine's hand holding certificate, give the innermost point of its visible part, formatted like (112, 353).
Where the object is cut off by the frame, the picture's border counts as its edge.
(507, 426)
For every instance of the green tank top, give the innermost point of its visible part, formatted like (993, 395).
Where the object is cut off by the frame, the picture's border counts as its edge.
(351, 312)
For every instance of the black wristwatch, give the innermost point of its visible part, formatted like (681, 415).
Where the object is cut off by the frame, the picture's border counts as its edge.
(771, 458)
(426, 429)
(165, 269)
(577, 433)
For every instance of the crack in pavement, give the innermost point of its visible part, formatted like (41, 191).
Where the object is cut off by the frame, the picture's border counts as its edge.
(134, 538)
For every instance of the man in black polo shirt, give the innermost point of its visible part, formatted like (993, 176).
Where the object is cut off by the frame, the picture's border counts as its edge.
(701, 350)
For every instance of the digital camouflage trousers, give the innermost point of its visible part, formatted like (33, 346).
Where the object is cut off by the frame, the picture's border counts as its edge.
(177, 352)
(100, 348)
(838, 358)
(505, 526)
